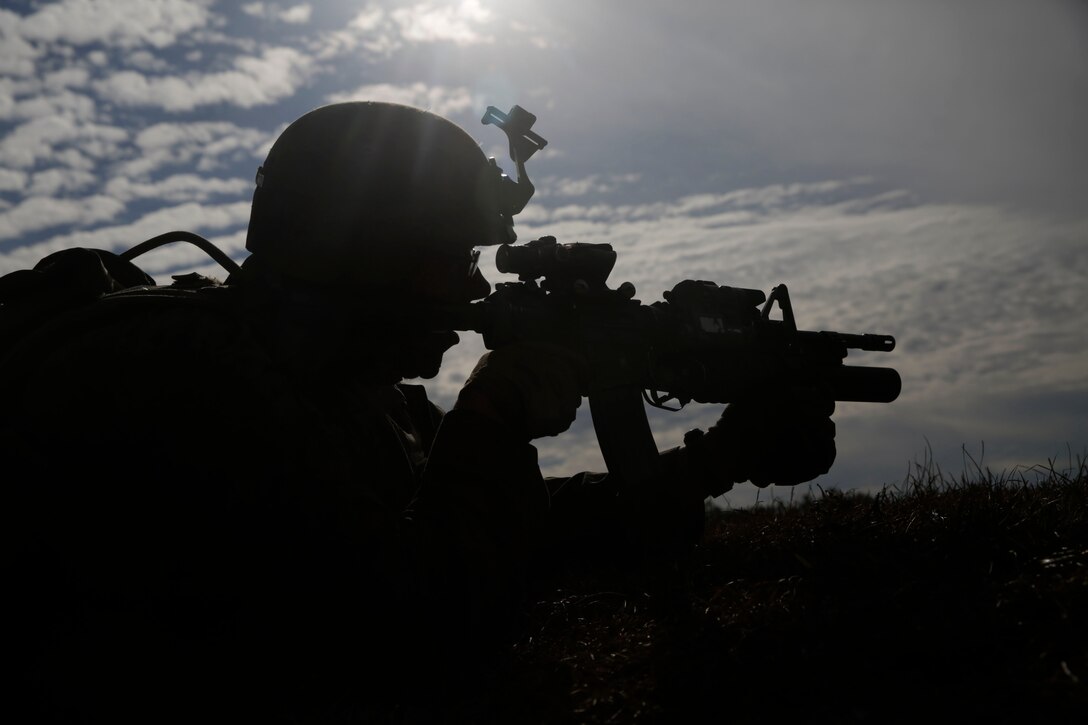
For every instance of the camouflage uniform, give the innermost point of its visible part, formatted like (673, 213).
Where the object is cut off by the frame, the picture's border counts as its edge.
(186, 507)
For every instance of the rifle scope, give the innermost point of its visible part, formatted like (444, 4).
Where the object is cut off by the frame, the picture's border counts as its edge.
(545, 257)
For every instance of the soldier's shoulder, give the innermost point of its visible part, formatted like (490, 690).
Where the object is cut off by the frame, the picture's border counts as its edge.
(95, 297)
(135, 318)
(137, 349)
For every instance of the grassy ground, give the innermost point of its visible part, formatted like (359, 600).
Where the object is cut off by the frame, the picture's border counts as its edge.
(943, 598)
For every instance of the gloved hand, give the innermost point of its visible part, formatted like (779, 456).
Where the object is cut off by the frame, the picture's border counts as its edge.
(784, 439)
(532, 389)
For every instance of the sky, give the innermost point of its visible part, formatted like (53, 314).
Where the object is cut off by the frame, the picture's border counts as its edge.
(918, 169)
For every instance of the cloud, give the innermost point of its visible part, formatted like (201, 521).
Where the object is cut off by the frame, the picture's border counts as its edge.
(207, 144)
(429, 22)
(382, 32)
(368, 19)
(121, 23)
(771, 199)
(584, 186)
(181, 187)
(370, 29)
(296, 14)
(52, 182)
(65, 78)
(17, 55)
(199, 133)
(38, 213)
(44, 139)
(46, 96)
(437, 99)
(277, 73)
(145, 62)
(12, 180)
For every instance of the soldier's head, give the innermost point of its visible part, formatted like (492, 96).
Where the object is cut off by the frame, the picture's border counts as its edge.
(363, 202)
(377, 198)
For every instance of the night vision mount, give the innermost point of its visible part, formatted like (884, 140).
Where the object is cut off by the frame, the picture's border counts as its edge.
(524, 142)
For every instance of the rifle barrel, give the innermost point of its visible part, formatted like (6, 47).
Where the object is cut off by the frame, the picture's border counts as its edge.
(875, 343)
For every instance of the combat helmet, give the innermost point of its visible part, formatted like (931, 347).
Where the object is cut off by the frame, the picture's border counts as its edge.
(355, 192)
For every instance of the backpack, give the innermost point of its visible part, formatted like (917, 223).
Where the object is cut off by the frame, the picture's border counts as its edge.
(71, 279)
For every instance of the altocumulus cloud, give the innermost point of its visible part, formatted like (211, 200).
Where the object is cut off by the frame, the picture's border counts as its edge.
(124, 23)
(275, 74)
(296, 14)
(41, 213)
(207, 144)
(43, 139)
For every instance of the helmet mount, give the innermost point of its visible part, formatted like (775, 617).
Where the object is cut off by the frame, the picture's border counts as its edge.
(524, 142)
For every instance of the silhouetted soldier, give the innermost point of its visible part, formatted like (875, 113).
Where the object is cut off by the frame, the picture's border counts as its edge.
(221, 502)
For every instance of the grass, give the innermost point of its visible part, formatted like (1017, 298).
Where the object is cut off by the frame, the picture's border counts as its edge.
(948, 598)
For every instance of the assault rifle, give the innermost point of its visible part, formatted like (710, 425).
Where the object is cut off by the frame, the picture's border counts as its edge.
(704, 343)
